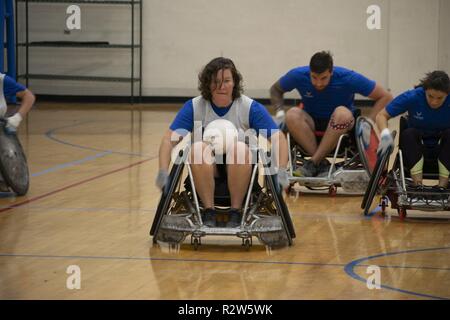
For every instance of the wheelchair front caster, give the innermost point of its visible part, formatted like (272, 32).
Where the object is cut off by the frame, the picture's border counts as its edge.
(401, 213)
(247, 243)
(332, 190)
(383, 204)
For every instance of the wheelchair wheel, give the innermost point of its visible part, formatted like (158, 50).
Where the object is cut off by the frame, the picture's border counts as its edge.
(166, 197)
(13, 163)
(281, 207)
(379, 170)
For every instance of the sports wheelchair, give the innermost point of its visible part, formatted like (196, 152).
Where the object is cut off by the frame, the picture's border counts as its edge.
(14, 175)
(396, 187)
(265, 214)
(348, 169)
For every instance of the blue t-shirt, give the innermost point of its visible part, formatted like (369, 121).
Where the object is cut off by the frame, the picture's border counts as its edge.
(341, 90)
(10, 88)
(259, 117)
(420, 115)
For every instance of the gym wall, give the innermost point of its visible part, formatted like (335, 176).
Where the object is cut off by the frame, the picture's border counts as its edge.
(265, 38)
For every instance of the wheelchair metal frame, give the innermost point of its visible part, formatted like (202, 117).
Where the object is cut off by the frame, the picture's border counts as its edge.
(395, 188)
(267, 219)
(350, 165)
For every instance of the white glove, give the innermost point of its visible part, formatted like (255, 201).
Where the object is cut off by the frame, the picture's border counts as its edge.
(162, 178)
(280, 118)
(283, 178)
(280, 115)
(385, 142)
(364, 131)
(13, 122)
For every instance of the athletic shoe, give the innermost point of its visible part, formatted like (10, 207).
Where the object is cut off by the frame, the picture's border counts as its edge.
(209, 217)
(308, 169)
(323, 168)
(234, 218)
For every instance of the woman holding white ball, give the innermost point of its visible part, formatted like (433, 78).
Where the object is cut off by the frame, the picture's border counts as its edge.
(220, 84)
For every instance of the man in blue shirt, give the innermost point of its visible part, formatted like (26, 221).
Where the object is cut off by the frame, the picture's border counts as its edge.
(10, 89)
(327, 94)
(221, 97)
(428, 107)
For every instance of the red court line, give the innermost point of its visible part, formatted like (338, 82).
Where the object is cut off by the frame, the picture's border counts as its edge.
(72, 185)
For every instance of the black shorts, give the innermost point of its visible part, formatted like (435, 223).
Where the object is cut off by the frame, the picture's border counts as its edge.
(321, 124)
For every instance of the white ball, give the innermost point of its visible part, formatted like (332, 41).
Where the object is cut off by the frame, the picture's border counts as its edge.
(221, 134)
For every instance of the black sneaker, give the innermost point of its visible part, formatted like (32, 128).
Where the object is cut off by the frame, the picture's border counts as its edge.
(209, 217)
(323, 168)
(234, 218)
(308, 169)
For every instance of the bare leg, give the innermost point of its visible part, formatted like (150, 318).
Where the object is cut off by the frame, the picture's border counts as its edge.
(443, 182)
(301, 127)
(340, 117)
(203, 172)
(417, 178)
(239, 170)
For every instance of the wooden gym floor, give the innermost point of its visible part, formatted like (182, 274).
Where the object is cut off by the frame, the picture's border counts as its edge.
(92, 200)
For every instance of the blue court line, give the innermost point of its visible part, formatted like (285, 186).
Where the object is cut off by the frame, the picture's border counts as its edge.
(349, 269)
(50, 135)
(371, 213)
(72, 163)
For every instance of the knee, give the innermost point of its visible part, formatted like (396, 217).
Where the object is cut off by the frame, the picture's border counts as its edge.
(342, 119)
(294, 116)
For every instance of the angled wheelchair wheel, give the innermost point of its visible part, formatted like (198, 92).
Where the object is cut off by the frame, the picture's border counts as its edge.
(13, 162)
(166, 196)
(379, 170)
(367, 152)
(280, 206)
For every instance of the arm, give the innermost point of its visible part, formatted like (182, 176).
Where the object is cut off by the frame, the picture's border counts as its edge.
(276, 96)
(27, 101)
(386, 140)
(169, 140)
(382, 119)
(382, 97)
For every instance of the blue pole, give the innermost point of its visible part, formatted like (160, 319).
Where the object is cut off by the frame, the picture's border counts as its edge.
(10, 41)
(2, 35)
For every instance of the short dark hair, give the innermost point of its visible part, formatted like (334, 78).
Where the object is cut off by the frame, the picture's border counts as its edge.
(436, 80)
(209, 73)
(321, 62)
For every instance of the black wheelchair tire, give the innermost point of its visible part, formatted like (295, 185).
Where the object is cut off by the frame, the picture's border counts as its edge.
(281, 207)
(166, 197)
(13, 163)
(380, 168)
